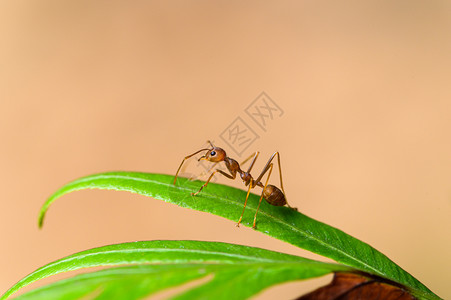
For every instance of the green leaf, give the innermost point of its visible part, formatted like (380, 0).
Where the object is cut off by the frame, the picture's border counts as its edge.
(279, 222)
(239, 271)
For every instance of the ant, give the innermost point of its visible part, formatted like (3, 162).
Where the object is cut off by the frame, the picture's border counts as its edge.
(272, 194)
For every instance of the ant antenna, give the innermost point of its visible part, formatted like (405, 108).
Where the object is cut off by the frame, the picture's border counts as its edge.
(186, 157)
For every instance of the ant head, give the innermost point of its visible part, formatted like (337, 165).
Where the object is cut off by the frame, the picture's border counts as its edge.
(215, 154)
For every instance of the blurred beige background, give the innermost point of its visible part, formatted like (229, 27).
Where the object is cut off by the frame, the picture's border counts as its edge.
(93, 86)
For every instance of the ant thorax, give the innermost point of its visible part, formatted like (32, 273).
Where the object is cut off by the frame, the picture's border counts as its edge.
(232, 165)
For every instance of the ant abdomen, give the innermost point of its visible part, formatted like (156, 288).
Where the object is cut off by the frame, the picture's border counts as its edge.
(274, 196)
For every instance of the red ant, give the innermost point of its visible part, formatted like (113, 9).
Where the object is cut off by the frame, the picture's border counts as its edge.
(272, 194)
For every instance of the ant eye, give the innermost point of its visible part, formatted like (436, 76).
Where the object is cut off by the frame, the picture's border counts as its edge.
(213, 153)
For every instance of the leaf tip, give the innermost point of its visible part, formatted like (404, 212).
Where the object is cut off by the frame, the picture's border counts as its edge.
(41, 219)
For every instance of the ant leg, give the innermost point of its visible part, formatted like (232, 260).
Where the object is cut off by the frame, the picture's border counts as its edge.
(254, 158)
(245, 202)
(261, 197)
(206, 172)
(265, 169)
(186, 157)
(211, 176)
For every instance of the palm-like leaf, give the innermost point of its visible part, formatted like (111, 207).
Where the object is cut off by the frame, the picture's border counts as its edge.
(239, 271)
(279, 222)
